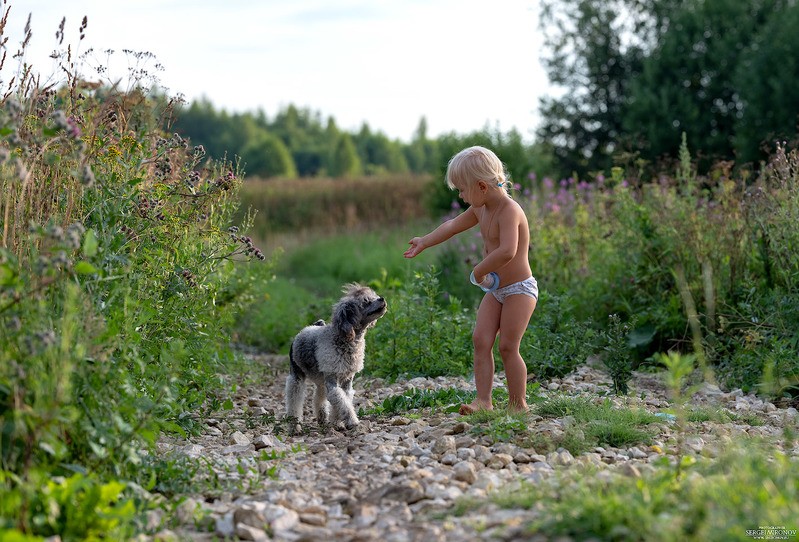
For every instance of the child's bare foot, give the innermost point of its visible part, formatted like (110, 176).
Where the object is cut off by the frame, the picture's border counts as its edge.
(518, 408)
(473, 407)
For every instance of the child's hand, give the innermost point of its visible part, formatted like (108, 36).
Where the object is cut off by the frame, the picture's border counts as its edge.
(416, 247)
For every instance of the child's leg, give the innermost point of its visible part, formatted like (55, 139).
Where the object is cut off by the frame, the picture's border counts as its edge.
(516, 313)
(484, 336)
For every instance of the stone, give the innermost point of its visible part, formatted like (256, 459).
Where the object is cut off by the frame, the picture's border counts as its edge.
(409, 492)
(246, 532)
(444, 445)
(237, 437)
(465, 472)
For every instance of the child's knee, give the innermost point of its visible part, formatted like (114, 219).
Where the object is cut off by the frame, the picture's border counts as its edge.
(508, 349)
(482, 342)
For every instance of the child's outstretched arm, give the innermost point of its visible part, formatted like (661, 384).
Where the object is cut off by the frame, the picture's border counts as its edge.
(462, 222)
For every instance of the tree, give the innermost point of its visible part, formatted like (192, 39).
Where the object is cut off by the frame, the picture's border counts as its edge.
(688, 84)
(267, 156)
(766, 79)
(344, 161)
(378, 153)
(595, 47)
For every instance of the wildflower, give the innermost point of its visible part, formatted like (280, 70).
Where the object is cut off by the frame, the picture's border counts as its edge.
(60, 258)
(55, 232)
(74, 233)
(199, 151)
(42, 265)
(233, 229)
(73, 130)
(193, 178)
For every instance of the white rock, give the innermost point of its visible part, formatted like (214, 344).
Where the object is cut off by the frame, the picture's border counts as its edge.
(465, 472)
(238, 438)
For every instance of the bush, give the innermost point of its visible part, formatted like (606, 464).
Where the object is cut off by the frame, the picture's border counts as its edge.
(556, 341)
(418, 336)
(115, 292)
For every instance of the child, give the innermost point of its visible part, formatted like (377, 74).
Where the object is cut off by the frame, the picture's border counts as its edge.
(479, 176)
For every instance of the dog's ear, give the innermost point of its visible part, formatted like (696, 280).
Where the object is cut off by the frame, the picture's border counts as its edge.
(345, 318)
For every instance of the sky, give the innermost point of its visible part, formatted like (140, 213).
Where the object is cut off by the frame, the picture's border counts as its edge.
(461, 64)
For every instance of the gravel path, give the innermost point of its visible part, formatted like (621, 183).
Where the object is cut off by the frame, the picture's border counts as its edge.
(397, 478)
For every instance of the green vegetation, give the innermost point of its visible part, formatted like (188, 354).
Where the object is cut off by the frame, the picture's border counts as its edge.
(446, 399)
(637, 74)
(119, 289)
(717, 501)
(117, 298)
(298, 143)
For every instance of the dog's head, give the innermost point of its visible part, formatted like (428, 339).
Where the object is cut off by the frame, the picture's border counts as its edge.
(357, 310)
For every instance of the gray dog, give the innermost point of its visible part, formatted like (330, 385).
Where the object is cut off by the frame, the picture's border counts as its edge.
(331, 355)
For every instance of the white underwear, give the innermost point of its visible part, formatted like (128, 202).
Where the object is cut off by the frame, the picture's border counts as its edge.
(528, 287)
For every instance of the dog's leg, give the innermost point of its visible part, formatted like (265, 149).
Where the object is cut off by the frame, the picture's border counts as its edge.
(342, 406)
(347, 387)
(321, 406)
(295, 395)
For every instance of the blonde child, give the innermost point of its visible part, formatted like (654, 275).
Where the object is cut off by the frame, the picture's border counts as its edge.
(506, 308)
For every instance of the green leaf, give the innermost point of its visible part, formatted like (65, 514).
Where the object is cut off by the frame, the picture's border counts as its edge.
(6, 275)
(90, 244)
(85, 268)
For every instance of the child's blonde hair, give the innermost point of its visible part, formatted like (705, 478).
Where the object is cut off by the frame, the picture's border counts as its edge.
(477, 164)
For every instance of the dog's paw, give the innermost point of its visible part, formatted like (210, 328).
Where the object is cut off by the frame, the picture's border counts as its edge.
(351, 424)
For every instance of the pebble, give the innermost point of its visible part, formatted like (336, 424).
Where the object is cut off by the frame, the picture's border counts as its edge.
(393, 478)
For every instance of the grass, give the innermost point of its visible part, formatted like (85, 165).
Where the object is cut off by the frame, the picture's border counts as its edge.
(747, 488)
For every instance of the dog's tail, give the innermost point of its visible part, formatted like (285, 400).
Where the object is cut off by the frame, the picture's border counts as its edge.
(293, 367)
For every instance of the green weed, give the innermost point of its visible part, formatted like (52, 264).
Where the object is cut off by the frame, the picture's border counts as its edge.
(724, 500)
(445, 399)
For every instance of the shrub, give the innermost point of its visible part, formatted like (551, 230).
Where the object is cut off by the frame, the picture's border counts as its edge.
(115, 299)
(419, 336)
(556, 341)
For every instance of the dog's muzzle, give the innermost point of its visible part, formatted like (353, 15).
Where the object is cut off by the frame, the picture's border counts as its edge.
(379, 306)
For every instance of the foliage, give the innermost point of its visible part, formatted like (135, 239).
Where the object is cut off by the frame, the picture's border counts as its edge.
(115, 299)
(636, 74)
(296, 142)
(763, 81)
(557, 341)
(418, 336)
(446, 399)
(680, 252)
(280, 309)
(718, 500)
(75, 508)
(688, 82)
(617, 356)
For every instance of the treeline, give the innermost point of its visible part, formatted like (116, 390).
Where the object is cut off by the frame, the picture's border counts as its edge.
(637, 74)
(299, 142)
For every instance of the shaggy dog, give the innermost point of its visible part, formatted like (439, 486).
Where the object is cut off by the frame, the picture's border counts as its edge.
(331, 355)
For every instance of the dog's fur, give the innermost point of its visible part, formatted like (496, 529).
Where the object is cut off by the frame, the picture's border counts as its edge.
(331, 355)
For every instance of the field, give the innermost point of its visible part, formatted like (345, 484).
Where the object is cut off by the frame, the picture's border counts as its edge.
(134, 274)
